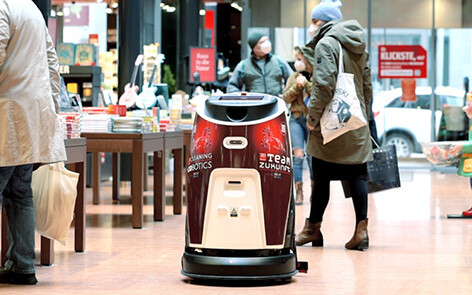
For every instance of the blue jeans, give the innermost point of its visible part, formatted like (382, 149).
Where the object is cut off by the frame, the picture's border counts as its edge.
(15, 190)
(299, 136)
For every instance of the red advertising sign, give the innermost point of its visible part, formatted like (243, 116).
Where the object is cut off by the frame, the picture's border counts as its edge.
(402, 61)
(203, 61)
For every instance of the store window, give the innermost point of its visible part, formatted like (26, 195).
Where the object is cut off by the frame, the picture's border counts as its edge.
(441, 82)
(407, 23)
(408, 123)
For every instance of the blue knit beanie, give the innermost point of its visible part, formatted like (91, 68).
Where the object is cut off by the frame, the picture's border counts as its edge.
(327, 10)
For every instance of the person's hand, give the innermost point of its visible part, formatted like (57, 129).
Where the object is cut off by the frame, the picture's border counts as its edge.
(301, 80)
(455, 149)
(309, 127)
(468, 110)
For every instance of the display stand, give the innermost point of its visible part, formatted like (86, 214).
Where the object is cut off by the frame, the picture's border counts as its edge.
(138, 144)
(81, 75)
(174, 142)
(187, 139)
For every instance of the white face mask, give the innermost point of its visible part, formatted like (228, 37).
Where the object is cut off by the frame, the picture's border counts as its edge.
(299, 66)
(312, 29)
(266, 47)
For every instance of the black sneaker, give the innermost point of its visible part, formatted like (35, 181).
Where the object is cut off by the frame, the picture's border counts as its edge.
(9, 277)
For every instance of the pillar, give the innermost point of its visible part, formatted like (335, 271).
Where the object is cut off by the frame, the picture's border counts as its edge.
(189, 20)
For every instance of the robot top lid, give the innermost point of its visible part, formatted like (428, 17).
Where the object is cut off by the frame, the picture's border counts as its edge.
(239, 108)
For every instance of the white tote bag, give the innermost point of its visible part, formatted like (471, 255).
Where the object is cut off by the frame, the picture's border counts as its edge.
(54, 193)
(344, 112)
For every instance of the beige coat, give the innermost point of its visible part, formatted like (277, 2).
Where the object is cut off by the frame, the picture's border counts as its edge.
(295, 95)
(30, 131)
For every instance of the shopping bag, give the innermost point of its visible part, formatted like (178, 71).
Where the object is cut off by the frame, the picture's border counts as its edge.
(382, 171)
(344, 112)
(54, 193)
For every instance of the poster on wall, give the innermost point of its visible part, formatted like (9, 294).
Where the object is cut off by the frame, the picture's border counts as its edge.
(203, 64)
(402, 61)
(76, 15)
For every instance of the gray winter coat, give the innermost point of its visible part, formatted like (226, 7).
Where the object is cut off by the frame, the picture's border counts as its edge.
(250, 77)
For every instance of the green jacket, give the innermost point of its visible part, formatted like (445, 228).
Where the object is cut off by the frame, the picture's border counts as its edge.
(353, 147)
(248, 76)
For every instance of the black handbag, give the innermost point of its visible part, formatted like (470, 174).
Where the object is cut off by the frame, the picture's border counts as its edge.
(382, 171)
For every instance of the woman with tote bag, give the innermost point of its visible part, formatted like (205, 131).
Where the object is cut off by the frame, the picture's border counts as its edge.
(345, 156)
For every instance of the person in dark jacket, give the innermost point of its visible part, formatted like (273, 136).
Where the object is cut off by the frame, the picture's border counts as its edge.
(297, 92)
(345, 157)
(262, 72)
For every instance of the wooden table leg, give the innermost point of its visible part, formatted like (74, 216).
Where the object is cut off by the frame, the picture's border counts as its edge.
(177, 180)
(159, 186)
(96, 178)
(186, 157)
(137, 184)
(145, 172)
(47, 251)
(116, 176)
(79, 217)
(4, 237)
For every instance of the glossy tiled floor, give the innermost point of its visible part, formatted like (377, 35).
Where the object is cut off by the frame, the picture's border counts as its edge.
(415, 249)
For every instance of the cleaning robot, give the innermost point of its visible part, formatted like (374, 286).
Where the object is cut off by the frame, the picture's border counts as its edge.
(240, 208)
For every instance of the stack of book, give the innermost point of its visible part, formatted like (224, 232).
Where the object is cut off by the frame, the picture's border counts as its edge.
(96, 123)
(70, 123)
(127, 124)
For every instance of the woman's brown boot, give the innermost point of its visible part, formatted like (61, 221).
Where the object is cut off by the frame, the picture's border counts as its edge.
(310, 233)
(360, 239)
(299, 190)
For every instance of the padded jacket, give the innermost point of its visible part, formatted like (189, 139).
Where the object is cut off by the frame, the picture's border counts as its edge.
(353, 147)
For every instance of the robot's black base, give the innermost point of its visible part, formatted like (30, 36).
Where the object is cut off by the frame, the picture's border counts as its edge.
(239, 268)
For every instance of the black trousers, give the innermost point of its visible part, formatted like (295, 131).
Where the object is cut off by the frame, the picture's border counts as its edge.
(323, 174)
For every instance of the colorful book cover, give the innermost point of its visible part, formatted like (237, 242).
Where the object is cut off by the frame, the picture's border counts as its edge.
(66, 53)
(85, 55)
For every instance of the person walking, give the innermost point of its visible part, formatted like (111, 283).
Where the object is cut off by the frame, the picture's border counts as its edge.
(345, 157)
(262, 71)
(296, 94)
(30, 131)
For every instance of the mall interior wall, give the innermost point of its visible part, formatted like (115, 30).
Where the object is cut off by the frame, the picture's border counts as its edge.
(387, 13)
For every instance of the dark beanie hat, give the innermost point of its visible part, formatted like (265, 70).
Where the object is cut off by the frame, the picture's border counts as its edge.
(254, 38)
